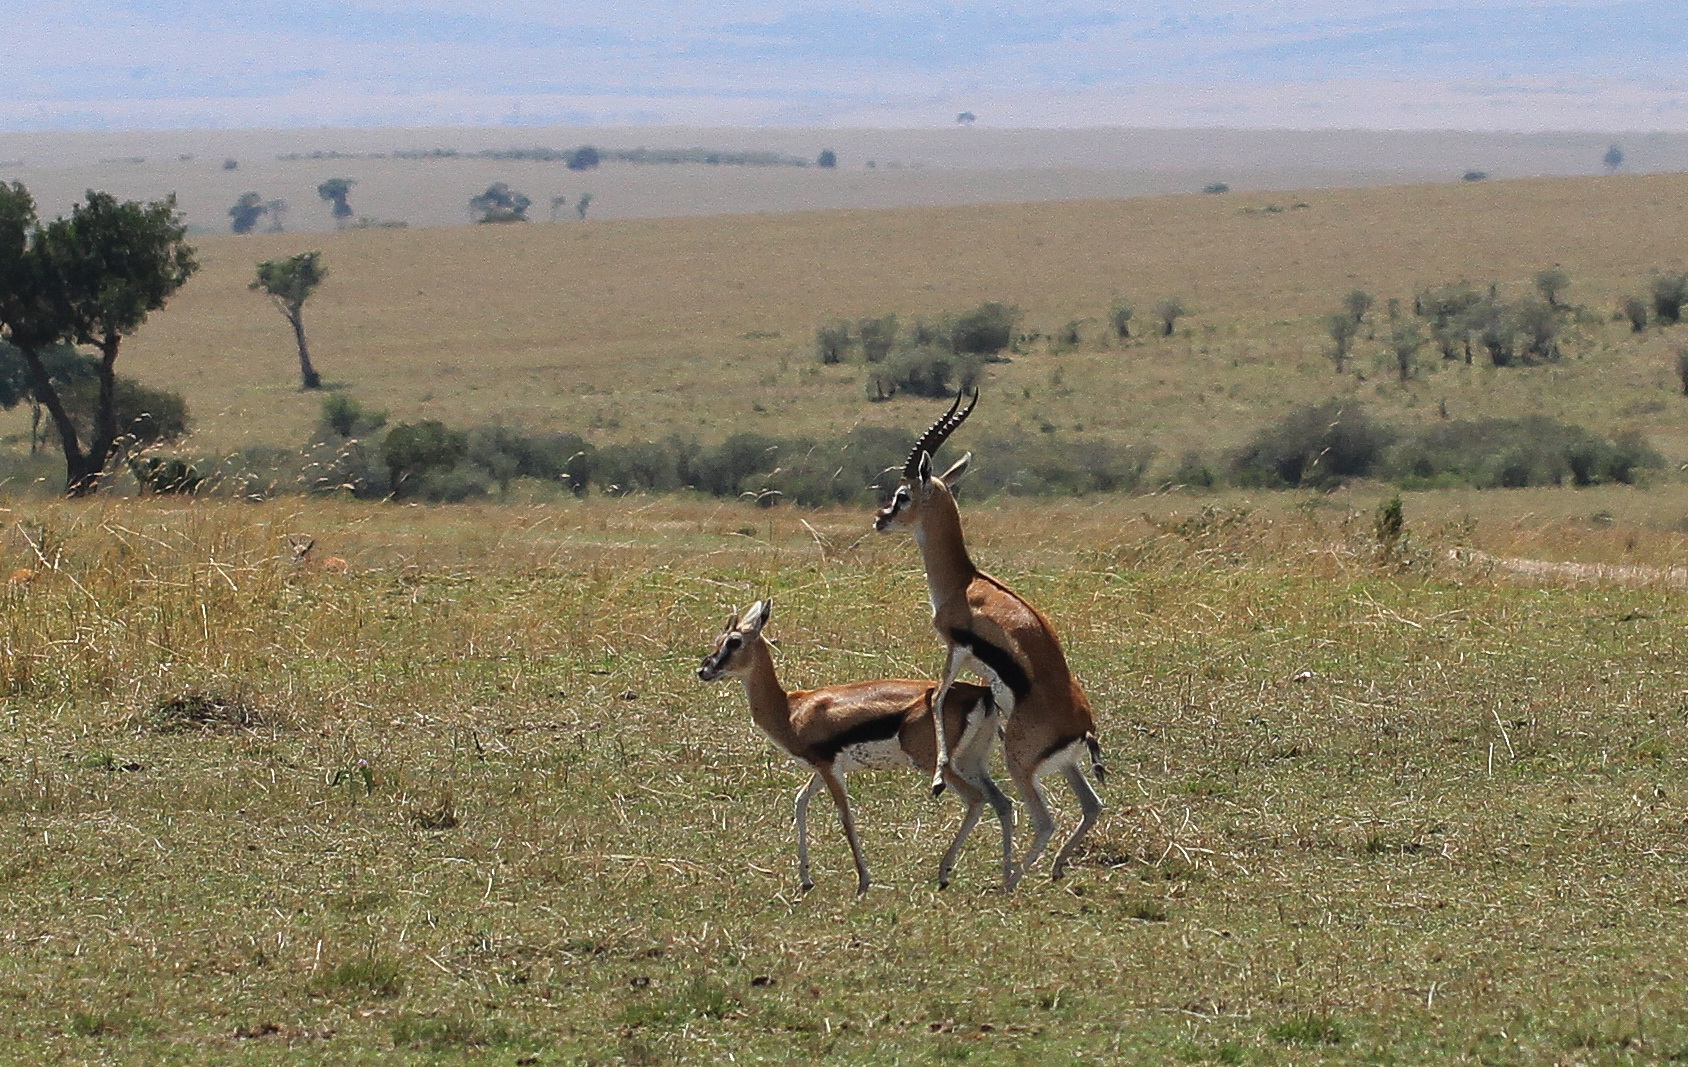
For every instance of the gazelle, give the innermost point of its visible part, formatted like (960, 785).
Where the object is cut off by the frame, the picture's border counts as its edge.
(871, 725)
(1048, 724)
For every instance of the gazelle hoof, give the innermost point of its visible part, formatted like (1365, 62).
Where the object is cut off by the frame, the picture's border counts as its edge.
(937, 789)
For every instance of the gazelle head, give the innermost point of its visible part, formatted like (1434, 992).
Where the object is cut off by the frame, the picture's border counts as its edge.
(740, 634)
(917, 484)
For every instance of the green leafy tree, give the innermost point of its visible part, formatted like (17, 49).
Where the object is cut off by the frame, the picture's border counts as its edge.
(90, 279)
(581, 203)
(289, 283)
(500, 203)
(583, 158)
(336, 191)
(1357, 303)
(1613, 159)
(244, 216)
(827, 159)
(413, 451)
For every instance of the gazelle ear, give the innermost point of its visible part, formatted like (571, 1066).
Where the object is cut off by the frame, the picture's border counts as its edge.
(959, 470)
(923, 469)
(757, 615)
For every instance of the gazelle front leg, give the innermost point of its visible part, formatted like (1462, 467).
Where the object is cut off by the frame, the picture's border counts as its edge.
(841, 797)
(957, 657)
(801, 818)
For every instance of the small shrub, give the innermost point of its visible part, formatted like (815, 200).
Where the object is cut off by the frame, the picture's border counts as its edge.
(1551, 283)
(984, 331)
(1168, 312)
(1405, 340)
(1119, 317)
(1356, 304)
(343, 416)
(414, 451)
(876, 337)
(1342, 327)
(1539, 326)
(1389, 527)
(1636, 311)
(832, 342)
(166, 475)
(1214, 188)
(1319, 446)
(1475, 176)
(1670, 292)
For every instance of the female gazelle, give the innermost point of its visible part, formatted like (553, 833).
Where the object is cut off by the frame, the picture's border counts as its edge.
(875, 725)
(1048, 724)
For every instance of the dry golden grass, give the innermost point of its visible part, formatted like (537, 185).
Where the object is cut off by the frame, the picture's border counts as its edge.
(633, 330)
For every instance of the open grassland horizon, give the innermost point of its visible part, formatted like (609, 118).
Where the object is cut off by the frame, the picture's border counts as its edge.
(633, 331)
(448, 790)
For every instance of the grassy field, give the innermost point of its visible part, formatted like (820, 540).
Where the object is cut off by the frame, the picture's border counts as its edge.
(449, 791)
(640, 329)
(461, 799)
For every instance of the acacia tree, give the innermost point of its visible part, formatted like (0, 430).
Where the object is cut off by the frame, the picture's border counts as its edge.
(500, 203)
(335, 191)
(91, 279)
(244, 216)
(290, 282)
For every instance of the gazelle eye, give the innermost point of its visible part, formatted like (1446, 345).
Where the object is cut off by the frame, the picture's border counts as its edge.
(734, 641)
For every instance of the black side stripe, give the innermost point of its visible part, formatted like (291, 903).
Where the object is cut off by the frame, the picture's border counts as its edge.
(884, 728)
(1063, 743)
(999, 660)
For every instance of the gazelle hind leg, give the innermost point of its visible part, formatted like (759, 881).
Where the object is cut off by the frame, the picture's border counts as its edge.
(972, 765)
(1043, 823)
(1092, 807)
(801, 817)
(841, 797)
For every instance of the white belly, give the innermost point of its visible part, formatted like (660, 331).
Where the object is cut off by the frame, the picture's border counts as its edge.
(873, 756)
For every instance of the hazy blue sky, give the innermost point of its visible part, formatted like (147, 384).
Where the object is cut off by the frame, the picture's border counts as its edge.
(1492, 64)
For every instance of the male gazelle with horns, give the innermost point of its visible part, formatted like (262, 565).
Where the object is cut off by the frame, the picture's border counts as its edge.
(871, 725)
(998, 635)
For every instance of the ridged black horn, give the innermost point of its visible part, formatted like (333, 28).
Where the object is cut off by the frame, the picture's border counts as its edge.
(937, 433)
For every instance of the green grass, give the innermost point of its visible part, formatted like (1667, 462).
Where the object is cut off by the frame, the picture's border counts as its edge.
(1426, 810)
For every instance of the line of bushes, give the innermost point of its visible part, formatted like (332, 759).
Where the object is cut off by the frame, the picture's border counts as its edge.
(1323, 445)
(930, 357)
(429, 461)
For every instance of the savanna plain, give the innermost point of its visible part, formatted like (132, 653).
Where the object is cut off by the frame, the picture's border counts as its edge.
(446, 788)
